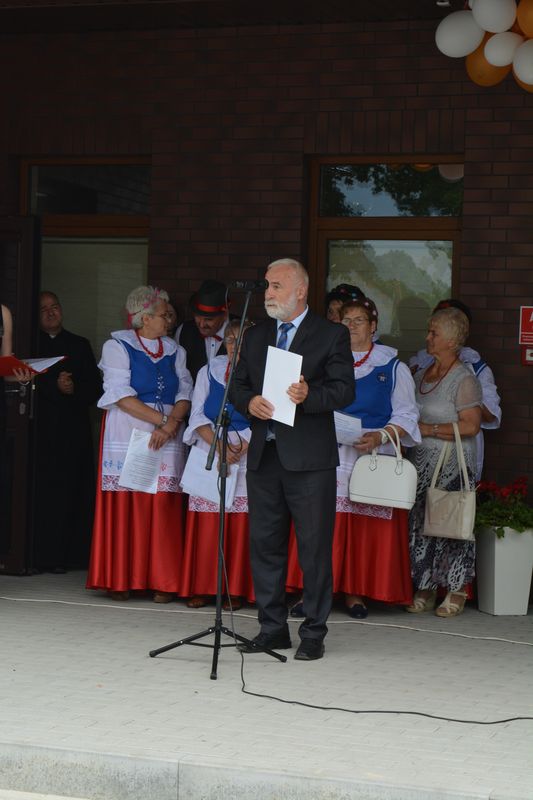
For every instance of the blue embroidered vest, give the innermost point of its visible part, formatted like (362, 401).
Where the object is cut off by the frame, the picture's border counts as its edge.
(373, 393)
(212, 406)
(154, 382)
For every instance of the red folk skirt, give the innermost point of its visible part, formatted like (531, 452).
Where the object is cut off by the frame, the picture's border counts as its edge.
(370, 558)
(200, 555)
(137, 540)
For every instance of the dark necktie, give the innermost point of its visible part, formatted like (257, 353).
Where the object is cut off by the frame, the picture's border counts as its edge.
(284, 329)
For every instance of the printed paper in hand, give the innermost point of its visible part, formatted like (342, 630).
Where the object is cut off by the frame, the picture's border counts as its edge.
(35, 365)
(141, 465)
(347, 428)
(202, 482)
(282, 368)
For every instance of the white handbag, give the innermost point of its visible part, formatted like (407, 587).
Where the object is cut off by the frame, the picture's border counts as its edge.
(451, 515)
(384, 480)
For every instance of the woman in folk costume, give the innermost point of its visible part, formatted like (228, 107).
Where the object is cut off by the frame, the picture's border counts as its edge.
(199, 581)
(371, 543)
(138, 536)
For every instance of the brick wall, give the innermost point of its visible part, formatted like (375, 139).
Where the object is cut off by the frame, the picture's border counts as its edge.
(230, 116)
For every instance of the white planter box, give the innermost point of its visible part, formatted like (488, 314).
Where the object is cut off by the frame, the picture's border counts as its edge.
(504, 568)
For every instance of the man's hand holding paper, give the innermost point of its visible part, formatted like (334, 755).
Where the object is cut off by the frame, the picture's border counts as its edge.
(298, 391)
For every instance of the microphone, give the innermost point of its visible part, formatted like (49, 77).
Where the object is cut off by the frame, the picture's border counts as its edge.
(249, 286)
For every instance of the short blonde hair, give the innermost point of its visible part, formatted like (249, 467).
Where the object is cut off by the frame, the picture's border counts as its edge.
(143, 300)
(454, 324)
(298, 269)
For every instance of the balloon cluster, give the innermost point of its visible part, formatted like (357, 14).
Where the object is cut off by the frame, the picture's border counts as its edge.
(496, 36)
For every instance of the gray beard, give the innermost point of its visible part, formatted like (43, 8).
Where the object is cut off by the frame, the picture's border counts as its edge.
(282, 311)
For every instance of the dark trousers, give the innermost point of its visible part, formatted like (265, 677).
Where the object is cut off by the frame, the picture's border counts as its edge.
(275, 495)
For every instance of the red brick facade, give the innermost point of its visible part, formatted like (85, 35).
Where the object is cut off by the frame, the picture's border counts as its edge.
(229, 117)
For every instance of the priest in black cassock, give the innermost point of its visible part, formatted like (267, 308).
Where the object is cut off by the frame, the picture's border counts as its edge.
(65, 473)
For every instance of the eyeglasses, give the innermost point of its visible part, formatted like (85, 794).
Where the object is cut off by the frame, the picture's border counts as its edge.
(229, 340)
(168, 317)
(354, 323)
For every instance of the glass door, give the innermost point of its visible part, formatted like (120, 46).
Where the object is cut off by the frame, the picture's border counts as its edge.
(406, 278)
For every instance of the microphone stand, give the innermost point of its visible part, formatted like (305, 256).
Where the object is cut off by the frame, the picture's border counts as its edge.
(221, 431)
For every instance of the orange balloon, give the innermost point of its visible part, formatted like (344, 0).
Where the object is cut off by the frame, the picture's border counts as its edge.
(480, 71)
(524, 16)
(527, 86)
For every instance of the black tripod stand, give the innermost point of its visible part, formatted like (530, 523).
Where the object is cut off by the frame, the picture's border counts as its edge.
(218, 628)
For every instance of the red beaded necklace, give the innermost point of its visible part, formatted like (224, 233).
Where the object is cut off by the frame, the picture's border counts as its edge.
(365, 357)
(439, 380)
(158, 353)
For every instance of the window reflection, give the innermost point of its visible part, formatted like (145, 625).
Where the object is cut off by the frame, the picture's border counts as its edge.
(391, 190)
(406, 279)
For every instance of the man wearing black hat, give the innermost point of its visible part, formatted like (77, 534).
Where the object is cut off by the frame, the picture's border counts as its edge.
(202, 337)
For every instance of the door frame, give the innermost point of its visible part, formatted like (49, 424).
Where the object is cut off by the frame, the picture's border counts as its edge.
(25, 232)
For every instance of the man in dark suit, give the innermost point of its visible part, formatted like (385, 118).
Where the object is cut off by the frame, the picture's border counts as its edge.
(292, 470)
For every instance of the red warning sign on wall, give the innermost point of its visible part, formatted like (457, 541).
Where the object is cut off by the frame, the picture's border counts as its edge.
(526, 325)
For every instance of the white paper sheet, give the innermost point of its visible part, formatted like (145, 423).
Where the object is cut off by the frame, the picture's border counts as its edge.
(201, 482)
(282, 368)
(42, 364)
(347, 428)
(141, 465)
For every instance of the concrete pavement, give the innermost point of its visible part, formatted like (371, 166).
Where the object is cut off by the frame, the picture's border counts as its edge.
(86, 713)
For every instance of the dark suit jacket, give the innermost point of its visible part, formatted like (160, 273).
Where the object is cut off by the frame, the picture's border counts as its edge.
(328, 369)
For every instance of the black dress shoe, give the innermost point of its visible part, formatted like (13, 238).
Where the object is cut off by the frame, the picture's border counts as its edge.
(310, 650)
(357, 611)
(267, 641)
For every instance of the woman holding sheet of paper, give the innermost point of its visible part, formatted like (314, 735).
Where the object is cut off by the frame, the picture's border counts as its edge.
(371, 543)
(138, 535)
(199, 578)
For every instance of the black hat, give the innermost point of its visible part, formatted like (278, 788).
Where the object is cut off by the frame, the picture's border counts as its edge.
(450, 302)
(344, 292)
(209, 300)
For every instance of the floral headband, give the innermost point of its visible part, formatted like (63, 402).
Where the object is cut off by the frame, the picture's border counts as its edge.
(371, 306)
(154, 297)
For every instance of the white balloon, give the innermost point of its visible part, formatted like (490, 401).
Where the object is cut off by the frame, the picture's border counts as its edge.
(452, 172)
(495, 16)
(458, 34)
(523, 62)
(500, 48)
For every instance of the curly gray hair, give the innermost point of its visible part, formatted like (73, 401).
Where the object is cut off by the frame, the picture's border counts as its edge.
(143, 300)
(454, 324)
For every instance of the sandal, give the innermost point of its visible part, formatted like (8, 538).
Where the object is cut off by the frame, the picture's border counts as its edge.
(198, 601)
(118, 595)
(163, 597)
(232, 604)
(452, 605)
(423, 600)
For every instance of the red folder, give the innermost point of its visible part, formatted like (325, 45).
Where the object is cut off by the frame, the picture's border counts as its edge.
(35, 365)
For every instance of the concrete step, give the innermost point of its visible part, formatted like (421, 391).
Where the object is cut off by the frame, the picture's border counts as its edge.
(8, 794)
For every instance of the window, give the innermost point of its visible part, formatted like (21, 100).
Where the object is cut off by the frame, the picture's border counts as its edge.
(391, 190)
(89, 188)
(392, 229)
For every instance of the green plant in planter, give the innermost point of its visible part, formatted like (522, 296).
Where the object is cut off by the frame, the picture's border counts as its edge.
(500, 507)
